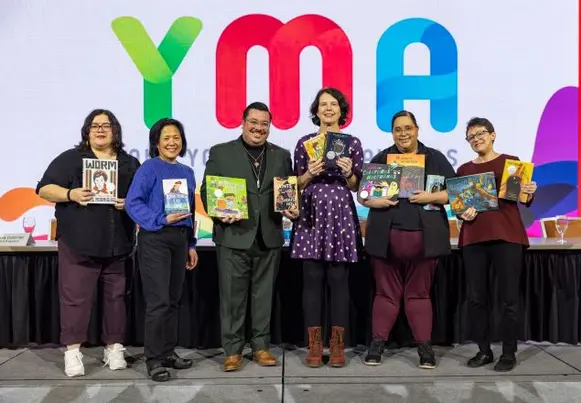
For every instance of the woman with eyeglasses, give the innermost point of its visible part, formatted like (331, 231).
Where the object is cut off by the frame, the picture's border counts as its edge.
(492, 238)
(94, 240)
(405, 241)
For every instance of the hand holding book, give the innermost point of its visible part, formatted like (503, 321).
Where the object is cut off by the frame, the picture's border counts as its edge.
(421, 197)
(316, 167)
(176, 217)
(292, 213)
(469, 215)
(346, 166)
(120, 204)
(529, 188)
(231, 219)
(80, 195)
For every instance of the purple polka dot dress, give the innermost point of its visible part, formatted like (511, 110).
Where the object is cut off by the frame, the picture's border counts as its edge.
(328, 227)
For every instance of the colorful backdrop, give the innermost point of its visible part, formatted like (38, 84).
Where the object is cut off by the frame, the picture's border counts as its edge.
(202, 62)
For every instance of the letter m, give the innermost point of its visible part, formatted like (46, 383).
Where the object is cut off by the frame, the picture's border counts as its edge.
(284, 43)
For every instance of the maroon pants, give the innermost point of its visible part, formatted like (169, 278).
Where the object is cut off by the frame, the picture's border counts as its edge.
(78, 279)
(405, 273)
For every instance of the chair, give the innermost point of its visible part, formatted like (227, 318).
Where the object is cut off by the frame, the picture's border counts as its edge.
(52, 230)
(550, 231)
(363, 226)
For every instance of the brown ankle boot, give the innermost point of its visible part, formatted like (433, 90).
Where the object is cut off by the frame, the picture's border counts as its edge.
(315, 355)
(337, 359)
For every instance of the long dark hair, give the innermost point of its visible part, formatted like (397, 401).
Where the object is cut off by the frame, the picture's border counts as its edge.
(116, 144)
(341, 99)
(155, 134)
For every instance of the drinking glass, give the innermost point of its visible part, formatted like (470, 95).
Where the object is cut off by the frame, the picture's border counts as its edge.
(28, 223)
(561, 224)
(459, 225)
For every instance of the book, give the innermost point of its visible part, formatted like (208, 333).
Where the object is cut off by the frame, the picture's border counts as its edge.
(286, 193)
(412, 175)
(478, 191)
(101, 176)
(379, 180)
(337, 146)
(514, 174)
(315, 146)
(226, 197)
(434, 184)
(175, 194)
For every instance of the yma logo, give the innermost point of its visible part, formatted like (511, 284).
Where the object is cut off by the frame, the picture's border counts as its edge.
(440, 87)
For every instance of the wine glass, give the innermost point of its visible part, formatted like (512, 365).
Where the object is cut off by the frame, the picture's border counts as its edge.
(561, 224)
(459, 225)
(28, 223)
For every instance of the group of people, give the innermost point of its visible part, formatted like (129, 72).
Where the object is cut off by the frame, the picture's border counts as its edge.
(403, 239)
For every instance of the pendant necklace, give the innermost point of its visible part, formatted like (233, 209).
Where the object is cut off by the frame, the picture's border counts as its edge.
(257, 166)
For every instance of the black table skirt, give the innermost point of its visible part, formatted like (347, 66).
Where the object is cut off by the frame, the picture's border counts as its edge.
(29, 305)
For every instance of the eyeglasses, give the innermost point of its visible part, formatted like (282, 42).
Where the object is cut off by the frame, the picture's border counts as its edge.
(263, 124)
(105, 126)
(476, 136)
(406, 130)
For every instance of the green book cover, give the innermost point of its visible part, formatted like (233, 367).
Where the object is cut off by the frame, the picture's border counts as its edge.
(226, 196)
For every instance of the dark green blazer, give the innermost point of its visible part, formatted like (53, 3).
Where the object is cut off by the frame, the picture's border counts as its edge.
(230, 160)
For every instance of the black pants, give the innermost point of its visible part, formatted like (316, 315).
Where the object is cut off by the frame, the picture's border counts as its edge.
(162, 264)
(243, 274)
(507, 261)
(316, 275)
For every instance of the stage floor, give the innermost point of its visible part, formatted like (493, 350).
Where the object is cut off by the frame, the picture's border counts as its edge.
(546, 373)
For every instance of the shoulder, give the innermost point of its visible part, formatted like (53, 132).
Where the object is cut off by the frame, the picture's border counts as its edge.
(71, 154)
(509, 157)
(216, 148)
(380, 157)
(127, 158)
(278, 149)
(436, 154)
(305, 138)
(186, 168)
(464, 167)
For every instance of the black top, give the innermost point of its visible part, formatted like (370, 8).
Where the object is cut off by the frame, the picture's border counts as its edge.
(93, 230)
(410, 216)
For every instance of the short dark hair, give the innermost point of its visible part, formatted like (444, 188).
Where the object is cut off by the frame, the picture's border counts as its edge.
(404, 113)
(259, 106)
(117, 142)
(474, 122)
(341, 99)
(155, 134)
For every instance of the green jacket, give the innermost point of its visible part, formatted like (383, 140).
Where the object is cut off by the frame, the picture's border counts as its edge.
(231, 160)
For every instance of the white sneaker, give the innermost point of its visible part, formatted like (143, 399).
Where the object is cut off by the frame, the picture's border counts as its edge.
(114, 357)
(74, 363)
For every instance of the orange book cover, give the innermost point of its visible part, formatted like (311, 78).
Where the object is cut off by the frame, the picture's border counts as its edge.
(315, 146)
(413, 172)
(407, 160)
(514, 174)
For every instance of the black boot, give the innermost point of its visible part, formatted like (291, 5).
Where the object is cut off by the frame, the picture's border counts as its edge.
(427, 356)
(481, 359)
(375, 353)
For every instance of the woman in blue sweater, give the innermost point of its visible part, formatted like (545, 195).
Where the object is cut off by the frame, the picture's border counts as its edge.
(161, 201)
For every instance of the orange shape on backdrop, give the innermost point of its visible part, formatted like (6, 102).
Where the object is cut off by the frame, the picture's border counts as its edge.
(17, 201)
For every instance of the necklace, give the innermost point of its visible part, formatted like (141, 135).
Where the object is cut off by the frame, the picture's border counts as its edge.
(257, 166)
(256, 163)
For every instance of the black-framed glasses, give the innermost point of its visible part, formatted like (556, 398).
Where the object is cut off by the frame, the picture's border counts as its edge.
(105, 126)
(263, 124)
(476, 136)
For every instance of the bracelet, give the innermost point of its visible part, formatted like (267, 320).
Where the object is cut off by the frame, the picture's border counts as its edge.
(69, 194)
(350, 175)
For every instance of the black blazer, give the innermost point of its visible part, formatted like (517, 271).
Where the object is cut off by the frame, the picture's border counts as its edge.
(435, 226)
(230, 160)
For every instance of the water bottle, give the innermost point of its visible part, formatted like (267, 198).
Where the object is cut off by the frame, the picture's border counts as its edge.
(287, 227)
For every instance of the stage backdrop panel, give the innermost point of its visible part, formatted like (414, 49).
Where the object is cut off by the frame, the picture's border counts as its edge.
(202, 62)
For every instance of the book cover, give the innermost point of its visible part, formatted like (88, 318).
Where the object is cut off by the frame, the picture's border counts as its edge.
(226, 196)
(315, 146)
(413, 172)
(478, 191)
(434, 184)
(101, 177)
(286, 193)
(175, 193)
(514, 174)
(379, 180)
(337, 146)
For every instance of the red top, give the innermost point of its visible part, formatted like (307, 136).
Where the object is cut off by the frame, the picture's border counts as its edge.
(503, 224)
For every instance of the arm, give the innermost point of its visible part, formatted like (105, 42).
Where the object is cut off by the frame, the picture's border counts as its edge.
(55, 185)
(54, 193)
(212, 169)
(193, 241)
(447, 172)
(136, 201)
(357, 165)
(301, 166)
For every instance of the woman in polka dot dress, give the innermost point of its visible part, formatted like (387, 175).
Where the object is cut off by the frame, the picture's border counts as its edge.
(327, 235)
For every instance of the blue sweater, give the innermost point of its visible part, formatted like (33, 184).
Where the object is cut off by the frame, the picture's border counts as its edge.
(145, 199)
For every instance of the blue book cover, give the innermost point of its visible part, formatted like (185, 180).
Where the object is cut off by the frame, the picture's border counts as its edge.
(478, 191)
(176, 198)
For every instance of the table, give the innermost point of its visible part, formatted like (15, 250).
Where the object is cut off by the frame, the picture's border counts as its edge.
(550, 290)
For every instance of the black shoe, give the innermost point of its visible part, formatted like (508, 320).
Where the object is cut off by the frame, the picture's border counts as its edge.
(506, 363)
(481, 359)
(375, 353)
(176, 362)
(157, 372)
(427, 356)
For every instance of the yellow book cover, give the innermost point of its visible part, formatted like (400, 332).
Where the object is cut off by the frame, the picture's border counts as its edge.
(315, 146)
(407, 160)
(514, 174)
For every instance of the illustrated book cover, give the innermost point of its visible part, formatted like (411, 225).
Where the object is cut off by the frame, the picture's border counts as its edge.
(101, 177)
(379, 180)
(514, 174)
(175, 196)
(337, 146)
(412, 175)
(315, 146)
(434, 184)
(286, 193)
(226, 196)
(478, 191)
